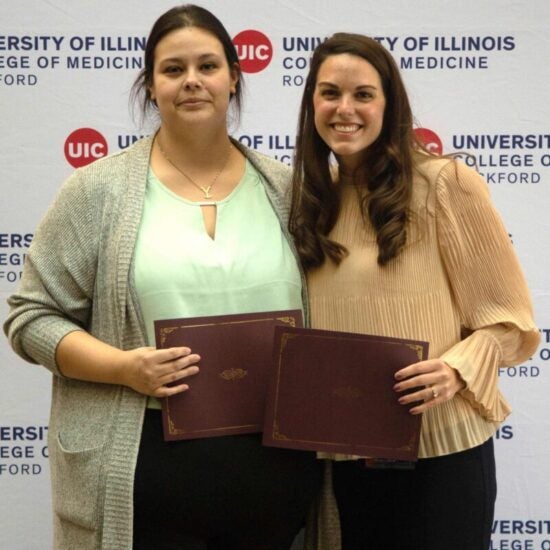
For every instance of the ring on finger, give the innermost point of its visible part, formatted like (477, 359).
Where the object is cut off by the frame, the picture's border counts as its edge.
(435, 393)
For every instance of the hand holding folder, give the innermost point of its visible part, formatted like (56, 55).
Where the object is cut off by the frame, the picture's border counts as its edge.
(228, 395)
(333, 391)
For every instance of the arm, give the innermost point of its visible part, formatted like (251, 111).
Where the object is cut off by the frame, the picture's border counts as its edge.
(491, 295)
(55, 294)
(51, 309)
(146, 370)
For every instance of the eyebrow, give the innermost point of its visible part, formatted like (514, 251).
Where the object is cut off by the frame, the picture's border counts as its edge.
(361, 87)
(201, 57)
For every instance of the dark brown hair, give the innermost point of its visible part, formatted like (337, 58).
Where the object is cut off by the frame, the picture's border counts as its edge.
(181, 17)
(386, 170)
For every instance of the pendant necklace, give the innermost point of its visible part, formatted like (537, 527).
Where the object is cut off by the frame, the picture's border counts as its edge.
(205, 189)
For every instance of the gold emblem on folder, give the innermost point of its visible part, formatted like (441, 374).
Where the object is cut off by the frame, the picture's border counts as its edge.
(348, 392)
(233, 374)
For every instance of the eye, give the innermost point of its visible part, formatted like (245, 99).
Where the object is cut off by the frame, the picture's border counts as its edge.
(209, 66)
(172, 69)
(364, 95)
(329, 93)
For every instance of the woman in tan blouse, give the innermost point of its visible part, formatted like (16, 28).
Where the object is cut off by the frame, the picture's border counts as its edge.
(401, 243)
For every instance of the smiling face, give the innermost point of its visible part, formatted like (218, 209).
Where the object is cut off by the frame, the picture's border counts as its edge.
(349, 105)
(192, 81)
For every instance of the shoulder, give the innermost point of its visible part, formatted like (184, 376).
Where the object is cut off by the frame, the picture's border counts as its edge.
(112, 174)
(273, 170)
(430, 167)
(276, 178)
(450, 175)
(119, 162)
(102, 187)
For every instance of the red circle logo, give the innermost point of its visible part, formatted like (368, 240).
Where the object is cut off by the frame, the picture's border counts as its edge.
(83, 146)
(254, 50)
(430, 140)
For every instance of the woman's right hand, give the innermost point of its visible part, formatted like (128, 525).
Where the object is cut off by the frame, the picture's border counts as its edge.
(146, 370)
(150, 371)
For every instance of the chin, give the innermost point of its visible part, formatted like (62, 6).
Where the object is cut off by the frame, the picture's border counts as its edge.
(344, 152)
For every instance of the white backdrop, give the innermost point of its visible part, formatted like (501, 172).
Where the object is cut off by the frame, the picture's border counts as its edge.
(477, 72)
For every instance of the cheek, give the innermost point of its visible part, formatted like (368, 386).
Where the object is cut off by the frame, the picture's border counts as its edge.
(160, 88)
(378, 116)
(319, 126)
(320, 114)
(220, 88)
(374, 118)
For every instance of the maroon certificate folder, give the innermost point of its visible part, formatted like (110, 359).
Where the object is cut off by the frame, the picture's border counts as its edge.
(333, 391)
(228, 395)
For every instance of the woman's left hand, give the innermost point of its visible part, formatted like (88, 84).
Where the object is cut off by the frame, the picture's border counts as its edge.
(429, 382)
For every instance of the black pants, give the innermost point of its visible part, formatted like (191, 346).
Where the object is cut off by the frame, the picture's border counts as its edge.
(445, 503)
(222, 493)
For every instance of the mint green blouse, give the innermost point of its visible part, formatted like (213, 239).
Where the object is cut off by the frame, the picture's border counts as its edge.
(180, 271)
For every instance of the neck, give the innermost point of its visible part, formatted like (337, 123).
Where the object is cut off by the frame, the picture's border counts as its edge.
(348, 165)
(346, 176)
(194, 149)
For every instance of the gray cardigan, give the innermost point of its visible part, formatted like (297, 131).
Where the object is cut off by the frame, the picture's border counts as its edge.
(77, 276)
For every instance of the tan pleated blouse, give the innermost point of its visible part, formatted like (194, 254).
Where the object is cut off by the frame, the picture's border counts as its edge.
(457, 284)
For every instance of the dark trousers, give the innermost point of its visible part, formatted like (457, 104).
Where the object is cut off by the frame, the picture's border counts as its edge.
(222, 493)
(445, 503)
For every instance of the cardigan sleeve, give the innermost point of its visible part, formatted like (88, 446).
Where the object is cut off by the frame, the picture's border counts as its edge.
(488, 286)
(56, 289)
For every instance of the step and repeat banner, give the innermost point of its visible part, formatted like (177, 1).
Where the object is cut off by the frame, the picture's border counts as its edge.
(477, 73)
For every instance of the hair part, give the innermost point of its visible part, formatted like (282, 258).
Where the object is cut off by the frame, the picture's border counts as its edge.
(385, 173)
(182, 17)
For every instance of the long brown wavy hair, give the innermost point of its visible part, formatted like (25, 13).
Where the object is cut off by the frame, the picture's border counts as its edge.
(386, 170)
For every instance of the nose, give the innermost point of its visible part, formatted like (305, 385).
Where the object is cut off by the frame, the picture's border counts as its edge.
(345, 106)
(192, 80)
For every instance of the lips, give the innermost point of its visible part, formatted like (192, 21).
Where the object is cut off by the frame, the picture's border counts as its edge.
(192, 101)
(346, 128)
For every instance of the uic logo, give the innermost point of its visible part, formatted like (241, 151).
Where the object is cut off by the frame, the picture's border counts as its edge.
(254, 50)
(83, 146)
(430, 140)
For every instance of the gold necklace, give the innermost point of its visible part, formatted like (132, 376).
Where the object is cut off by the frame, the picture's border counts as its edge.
(207, 188)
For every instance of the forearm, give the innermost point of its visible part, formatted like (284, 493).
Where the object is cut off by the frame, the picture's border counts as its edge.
(81, 356)
(158, 373)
